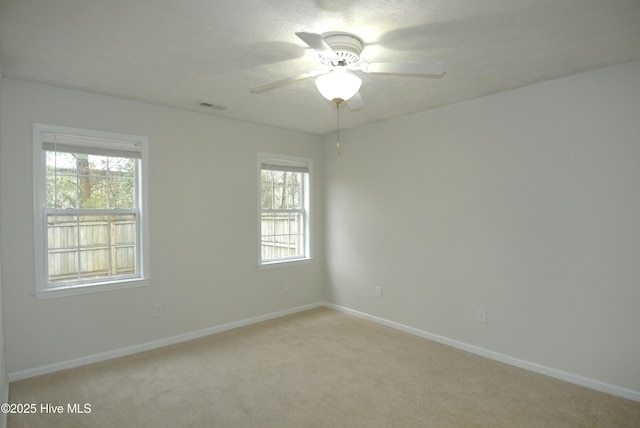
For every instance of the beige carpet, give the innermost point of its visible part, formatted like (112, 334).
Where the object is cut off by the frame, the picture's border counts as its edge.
(319, 368)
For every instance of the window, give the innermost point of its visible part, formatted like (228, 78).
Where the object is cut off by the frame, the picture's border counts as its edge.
(284, 208)
(90, 213)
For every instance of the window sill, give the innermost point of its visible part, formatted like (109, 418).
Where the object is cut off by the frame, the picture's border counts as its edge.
(75, 290)
(283, 264)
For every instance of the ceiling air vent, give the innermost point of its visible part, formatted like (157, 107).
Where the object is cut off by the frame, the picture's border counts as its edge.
(211, 106)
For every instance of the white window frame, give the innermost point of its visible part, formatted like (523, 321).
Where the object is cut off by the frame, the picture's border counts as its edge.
(95, 140)
(275, 159)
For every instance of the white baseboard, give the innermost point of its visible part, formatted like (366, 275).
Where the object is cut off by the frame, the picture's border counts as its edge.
(24, 374)
(537, 368)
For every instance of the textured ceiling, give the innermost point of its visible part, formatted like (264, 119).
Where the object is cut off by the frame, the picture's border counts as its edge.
(181, 52)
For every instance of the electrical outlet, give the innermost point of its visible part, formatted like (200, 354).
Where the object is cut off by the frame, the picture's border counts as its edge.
(285, 286)
(481, 315)
(379, 292)
(157, 309)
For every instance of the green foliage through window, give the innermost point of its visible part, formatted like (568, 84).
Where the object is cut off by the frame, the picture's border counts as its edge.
(76, 180)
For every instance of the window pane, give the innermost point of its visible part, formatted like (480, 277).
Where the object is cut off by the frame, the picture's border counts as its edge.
(266, 197)
(121, 167)
(94, 165)
(123, 229)
(278, 190)
(282, 235)
(278, 176)
(63, 189)
(93, 192)
(94, 230)
(90, 247)
(62, 239)
(61, 171)
(61, 163)
(266, 189)
(278, 197)
(295, 224)
(267, 245)
(268, 222)
(125, 258)
(94, 263)
(121, 193)
(62, 232)
(63, 266)
(294, 182)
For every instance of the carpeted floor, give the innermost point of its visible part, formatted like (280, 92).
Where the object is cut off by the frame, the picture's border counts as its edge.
(318, 368)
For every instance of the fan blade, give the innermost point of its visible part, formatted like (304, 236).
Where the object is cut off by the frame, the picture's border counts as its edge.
(318, 44)
(282, 82)
(427, 68)
(355, 103)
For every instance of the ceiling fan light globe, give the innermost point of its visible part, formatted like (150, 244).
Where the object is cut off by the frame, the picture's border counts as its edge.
(338, 85)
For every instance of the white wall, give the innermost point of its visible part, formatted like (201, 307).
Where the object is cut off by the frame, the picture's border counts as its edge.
(203, 217)
(4, 383)
(526, 203)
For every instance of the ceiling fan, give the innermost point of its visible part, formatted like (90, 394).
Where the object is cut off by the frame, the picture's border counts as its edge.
(341, 53)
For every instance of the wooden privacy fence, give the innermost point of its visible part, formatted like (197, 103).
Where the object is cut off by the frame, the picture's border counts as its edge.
(282, 235)
(84, 247)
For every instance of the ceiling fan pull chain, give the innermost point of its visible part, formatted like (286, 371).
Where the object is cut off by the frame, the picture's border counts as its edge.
(338, 127)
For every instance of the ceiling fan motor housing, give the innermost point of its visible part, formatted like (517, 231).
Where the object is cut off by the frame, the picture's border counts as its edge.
(346, 46)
